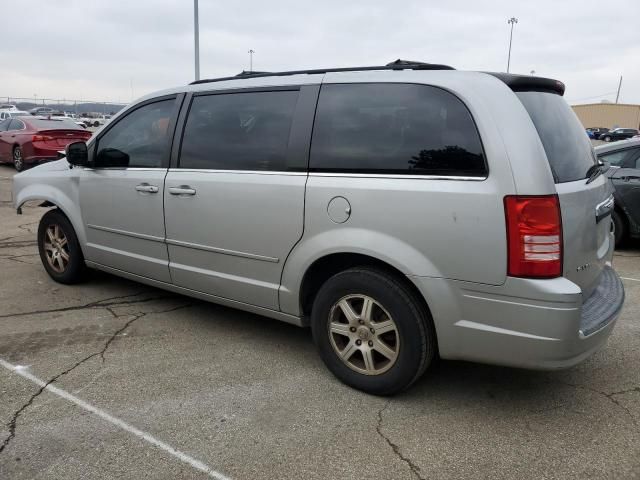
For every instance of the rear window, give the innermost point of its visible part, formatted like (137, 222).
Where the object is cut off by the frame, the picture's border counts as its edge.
(54, 124)
(568, 149)
(394, 129)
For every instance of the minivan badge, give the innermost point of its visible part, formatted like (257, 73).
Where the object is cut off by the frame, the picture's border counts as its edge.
(583, 267)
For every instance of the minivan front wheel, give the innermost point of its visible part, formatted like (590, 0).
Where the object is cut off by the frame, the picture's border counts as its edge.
(607, 138)
(371, 332)
(59, 248)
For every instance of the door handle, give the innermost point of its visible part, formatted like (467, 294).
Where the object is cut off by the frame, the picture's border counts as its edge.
(182, 190)
(630, 178)
(145, 187)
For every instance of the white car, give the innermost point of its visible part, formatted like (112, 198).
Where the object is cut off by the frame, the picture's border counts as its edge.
(8, 107)
(73, 118)
(4, 114)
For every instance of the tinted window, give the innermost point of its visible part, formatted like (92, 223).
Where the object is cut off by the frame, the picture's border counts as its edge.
(4, 125)
(16, 125)
(615, 158)
(142, 136)
(239, 131)
(568, 149)
(394, 129)
(54, 124)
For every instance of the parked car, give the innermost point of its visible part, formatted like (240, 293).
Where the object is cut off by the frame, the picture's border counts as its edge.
(41, 111)
(94, 119)
(13, 113)
(8, 107)
(618, 134)
(624, 158)
(399, 211)
(64, 115)
(27, 140)
(597, 131)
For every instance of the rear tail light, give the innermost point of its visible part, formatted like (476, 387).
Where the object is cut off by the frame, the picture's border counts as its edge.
(534, 236)
(41, 138)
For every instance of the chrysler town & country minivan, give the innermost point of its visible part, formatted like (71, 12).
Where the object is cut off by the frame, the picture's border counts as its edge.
(404, 212)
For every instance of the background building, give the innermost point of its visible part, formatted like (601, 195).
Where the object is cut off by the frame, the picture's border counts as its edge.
(608, 115)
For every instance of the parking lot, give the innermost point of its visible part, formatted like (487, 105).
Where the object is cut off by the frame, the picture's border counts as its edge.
(155, 385)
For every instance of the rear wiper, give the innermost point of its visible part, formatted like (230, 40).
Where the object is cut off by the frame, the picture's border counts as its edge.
(595, 171)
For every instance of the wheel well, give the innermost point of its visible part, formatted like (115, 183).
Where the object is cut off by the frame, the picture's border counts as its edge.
(324, 268)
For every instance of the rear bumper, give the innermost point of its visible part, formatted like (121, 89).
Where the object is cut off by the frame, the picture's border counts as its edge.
(537, 324)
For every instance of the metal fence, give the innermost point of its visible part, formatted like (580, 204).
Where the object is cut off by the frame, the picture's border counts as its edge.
(77, 106)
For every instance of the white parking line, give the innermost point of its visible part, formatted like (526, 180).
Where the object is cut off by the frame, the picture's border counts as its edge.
(198, 465)
(632, 279)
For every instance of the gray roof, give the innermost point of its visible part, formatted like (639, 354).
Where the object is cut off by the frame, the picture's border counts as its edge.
(619, 145)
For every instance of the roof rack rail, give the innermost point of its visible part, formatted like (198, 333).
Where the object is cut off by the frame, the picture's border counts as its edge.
(396, 65)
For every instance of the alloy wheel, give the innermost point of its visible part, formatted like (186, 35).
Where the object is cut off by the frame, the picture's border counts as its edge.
(56, 248)
(17, 159)
(363, 334)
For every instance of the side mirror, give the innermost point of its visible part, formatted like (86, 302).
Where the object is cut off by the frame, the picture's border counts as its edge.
(77, 154)
(111, 157)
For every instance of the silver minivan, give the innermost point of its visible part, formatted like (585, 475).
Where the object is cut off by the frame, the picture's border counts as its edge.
(404, 212)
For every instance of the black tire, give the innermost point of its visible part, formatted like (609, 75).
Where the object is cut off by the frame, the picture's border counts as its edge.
(75, 269)
(18, 160)
(415, 332)
(606, 138)
(619, 229)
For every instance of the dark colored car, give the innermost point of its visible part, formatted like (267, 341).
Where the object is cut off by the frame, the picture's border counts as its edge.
(597, 131)
(624, 159)
(41, 111)
(29, 140)
(618, 134)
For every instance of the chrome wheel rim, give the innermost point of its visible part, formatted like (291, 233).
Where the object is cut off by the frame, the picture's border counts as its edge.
(56, 248)
(17, 158)
(363, 334)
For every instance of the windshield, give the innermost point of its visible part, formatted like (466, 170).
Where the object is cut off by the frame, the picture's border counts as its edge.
(568, 149)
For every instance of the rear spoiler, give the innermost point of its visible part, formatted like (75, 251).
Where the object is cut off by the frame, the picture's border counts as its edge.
(529, 83)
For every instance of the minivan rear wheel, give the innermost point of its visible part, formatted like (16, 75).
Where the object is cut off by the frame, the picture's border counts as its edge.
(371, 331)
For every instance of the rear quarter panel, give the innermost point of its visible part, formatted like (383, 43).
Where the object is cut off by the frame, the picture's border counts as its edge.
(424, 227)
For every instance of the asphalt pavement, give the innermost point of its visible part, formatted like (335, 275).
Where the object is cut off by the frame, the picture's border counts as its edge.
(141, 383)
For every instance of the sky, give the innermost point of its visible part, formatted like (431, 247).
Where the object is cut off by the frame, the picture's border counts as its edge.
(117, 50)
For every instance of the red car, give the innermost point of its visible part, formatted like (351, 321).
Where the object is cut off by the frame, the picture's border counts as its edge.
(30, 140)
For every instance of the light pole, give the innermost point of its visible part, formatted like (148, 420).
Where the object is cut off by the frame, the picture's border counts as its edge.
(251, 52)
(196, 38)
(512, 21)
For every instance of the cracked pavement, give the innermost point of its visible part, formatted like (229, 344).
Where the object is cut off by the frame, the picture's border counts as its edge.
(249, 397)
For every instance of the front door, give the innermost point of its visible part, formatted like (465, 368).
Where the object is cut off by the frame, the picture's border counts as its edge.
(234, 205)
(121, 197)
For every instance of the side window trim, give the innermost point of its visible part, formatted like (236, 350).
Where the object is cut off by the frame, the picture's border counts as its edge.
(186, 108)
(178, 99)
